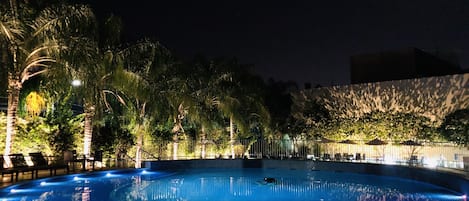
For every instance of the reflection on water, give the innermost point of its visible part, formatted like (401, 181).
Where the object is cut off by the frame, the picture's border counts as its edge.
(227, 185)
(290, 185)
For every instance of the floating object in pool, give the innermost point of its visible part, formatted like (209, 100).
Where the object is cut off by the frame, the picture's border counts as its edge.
(269, 180)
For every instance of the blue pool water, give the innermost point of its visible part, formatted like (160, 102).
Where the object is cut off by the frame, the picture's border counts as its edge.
(225, 185)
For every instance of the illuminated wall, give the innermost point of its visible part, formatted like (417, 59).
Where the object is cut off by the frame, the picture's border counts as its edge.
(432, 97)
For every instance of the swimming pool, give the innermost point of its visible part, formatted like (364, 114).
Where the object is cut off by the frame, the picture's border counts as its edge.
(226, 185)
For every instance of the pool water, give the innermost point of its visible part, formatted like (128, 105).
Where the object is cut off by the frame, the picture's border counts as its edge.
(225, 185)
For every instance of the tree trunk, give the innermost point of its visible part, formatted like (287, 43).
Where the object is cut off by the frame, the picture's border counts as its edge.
(203, 143)
(177, 129)
(175, 146)
(138, 154)
(14, 87)
(88, 135)
(232, 138)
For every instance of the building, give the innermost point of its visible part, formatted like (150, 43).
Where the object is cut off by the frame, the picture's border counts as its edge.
(401, 64)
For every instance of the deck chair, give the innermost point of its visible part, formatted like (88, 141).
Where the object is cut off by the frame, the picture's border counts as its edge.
(327, 157)
(70, 158)
(98, 157)
(7, 171)
(40, 163)
(358, 157)
(337, 157)
(20, 166)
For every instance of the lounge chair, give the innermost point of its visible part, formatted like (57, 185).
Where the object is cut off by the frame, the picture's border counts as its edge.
(19, 165)
(6, 171)
(70, 158)
(413, 161)
(337, 157)
(358, 157)
(40, 163)
(327, 157)
(98, 157)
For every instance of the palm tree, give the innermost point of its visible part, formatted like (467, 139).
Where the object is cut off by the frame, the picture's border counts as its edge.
(30, 40)
(202, 112)
(95, 62)
(241, 100)
(233, 92)
(138, 80)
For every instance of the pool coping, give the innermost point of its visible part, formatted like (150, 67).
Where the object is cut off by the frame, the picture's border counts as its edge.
(454, 181)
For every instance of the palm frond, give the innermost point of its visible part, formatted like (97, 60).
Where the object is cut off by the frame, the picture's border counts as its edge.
(10, 28)
(63, 19)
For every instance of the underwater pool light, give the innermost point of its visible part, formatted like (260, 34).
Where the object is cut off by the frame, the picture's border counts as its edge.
(449, 197)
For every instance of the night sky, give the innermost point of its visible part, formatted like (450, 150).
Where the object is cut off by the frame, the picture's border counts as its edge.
(304, 41)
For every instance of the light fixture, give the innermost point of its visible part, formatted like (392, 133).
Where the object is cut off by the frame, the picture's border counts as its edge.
(76, 83)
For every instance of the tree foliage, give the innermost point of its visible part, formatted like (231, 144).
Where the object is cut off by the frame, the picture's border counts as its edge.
(387, 126)
(455, 127)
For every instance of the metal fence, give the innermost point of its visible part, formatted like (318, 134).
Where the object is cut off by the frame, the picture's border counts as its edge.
(433, 154)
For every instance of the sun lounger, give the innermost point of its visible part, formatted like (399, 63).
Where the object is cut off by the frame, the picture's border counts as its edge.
(40, 163)
(19, 165)
(7, 171)
(70, 158)
(98, 157)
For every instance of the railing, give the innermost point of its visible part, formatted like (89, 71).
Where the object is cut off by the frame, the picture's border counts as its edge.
(444, 155)
(432, 155)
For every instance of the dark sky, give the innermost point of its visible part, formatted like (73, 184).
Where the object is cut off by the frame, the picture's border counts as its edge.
(305, 41)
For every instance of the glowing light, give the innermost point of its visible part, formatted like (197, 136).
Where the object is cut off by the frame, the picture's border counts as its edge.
(76, 83)
(25, 190)
(146, 172)
(43, 183)
(75, 178)
(389, 160)
(108, 174)
(431, 162)
(448, 197)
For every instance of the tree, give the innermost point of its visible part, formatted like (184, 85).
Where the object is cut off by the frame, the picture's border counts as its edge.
(29, 41)
(138, 81)
(65, 125)
(455, 127)
(239, 97)
(279, 102)
(309, 117)
(383, 125)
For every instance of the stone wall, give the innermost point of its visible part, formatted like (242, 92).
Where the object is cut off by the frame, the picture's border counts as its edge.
(432, 97)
